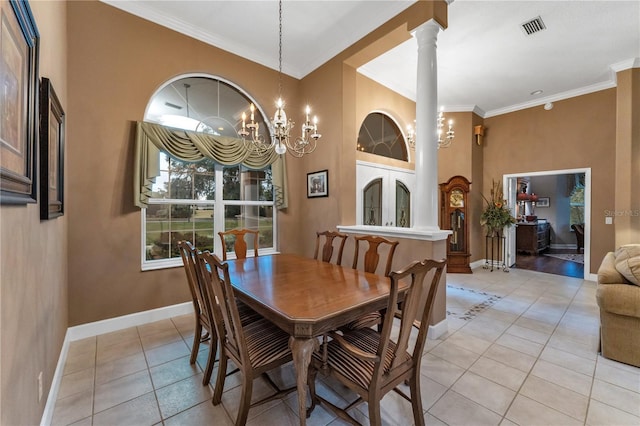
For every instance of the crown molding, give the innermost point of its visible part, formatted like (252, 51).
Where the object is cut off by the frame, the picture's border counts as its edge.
(625, 65)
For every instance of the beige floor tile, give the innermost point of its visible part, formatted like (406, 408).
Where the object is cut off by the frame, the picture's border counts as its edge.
(499, 315)
(511, 357)
(576, 348)
(118, 350)
(79, 361)
(529, 334)
(488, 329)
(554, 396)
(439, 370)
(81, 381)
(117, 391)
(454, 409)
(527, 412)
(162, 337)
(182, 395)
(615, 364)
(564, 377)
(568, 360)
(117, 337)
(231, 399)
(616, 396)
(72, 408)
(498, 372)
(519, 344)
(536, 325)
(155, 327)
(142, 410)
(394, 409)
(82, 346)
(622, 377)
(489, 394)
(87, 421)
(120, 367)
(469, 342)
(277, 415)
(204, 413)
(166, 353)
(605, 415)
(173, 371)
(430, 391)
(455, 354)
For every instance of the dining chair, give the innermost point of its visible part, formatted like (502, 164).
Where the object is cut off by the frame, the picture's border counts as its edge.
(255, 348)
(328, 246)
(239, 242)
(370, 362)
(370, 260)
(190, 261)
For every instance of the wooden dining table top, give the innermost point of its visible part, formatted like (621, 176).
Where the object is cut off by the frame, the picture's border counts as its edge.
(306, 297)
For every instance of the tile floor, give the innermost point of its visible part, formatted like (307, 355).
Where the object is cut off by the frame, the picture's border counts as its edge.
(521, 350)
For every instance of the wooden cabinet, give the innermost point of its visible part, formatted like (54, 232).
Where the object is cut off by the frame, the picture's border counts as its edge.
(533, 237)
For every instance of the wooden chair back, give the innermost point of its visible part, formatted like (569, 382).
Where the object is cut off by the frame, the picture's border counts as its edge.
(371, 257)
(203, 317)
(239, 243)
(224, 310)
(328, 246)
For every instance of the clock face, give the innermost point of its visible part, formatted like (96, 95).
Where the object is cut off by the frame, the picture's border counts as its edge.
(456, 198)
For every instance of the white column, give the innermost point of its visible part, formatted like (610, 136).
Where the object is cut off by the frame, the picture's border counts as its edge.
(426, 192)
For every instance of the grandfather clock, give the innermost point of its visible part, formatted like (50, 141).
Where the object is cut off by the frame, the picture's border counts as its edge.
(454, 216)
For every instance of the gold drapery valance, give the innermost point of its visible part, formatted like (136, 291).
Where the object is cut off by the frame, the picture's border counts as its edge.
(186, 145)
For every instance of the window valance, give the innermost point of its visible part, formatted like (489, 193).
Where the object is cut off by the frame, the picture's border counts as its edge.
(186, 145)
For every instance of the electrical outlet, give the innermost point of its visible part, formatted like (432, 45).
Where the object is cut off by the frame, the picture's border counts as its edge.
(40, 386)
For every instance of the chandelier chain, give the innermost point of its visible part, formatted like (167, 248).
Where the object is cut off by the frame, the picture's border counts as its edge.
(280, 48)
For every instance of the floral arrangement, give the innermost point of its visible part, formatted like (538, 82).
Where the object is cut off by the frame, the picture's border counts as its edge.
(496, 215)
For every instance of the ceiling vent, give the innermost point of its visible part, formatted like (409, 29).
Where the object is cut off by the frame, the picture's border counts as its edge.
(170, 105)
(533, 26)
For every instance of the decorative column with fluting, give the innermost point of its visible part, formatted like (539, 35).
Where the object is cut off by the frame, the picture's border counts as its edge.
(426, 212)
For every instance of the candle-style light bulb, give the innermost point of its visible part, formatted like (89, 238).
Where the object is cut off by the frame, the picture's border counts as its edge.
(244, 119)
(252, 108)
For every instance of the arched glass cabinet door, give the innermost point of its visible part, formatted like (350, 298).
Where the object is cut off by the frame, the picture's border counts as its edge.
(403, 205)
(372, 197)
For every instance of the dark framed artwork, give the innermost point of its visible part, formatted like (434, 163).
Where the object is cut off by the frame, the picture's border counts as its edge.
(318, 184)
(51, 153)
(543, 202)
(18, 102)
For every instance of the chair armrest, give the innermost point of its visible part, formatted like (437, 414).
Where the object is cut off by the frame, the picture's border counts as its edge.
(355, 351)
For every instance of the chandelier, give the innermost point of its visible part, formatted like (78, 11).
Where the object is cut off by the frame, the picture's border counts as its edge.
(442, 143)
(281, 138)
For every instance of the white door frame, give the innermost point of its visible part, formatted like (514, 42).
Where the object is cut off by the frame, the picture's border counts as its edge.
(509, 181)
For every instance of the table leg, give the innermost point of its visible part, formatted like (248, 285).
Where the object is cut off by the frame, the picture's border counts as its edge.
(302, 349)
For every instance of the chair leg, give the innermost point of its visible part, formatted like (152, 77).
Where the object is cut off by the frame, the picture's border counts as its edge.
(374, 410)
(211, 359)
(245, 399)
(416, 399)
(196, 342)
(222, 375)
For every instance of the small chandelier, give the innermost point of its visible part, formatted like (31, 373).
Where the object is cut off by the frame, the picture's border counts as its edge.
(448, 136)
(281, 138)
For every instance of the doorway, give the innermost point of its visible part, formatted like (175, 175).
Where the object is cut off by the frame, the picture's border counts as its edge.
(555, 197)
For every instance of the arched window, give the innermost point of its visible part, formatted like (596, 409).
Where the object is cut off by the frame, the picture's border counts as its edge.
(195, 201)
(379, 134)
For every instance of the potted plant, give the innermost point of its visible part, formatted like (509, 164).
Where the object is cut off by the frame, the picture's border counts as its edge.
(496, 215)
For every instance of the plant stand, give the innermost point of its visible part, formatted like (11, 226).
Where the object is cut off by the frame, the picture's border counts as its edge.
(495, 245)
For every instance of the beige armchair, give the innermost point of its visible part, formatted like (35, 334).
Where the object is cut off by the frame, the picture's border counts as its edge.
(619, 302)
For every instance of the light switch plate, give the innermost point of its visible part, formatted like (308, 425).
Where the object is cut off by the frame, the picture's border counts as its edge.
(608, 220)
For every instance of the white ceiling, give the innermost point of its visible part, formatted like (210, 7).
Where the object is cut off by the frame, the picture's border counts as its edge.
(486, 63)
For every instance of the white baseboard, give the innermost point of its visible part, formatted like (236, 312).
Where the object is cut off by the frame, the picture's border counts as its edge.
(438, 330)
(100, 327)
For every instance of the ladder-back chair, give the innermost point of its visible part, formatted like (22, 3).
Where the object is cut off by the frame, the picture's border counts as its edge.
(372, 362)
(239, 242)
(328, 246)
(254, 348)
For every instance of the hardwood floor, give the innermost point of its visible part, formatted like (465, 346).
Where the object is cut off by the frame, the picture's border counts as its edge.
(550, 265)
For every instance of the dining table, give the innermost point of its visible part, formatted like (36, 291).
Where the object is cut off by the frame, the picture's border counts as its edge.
(306, 298)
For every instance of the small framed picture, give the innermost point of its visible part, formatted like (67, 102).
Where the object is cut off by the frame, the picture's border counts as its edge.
(51, 153)
(542, 202)
(318, 184)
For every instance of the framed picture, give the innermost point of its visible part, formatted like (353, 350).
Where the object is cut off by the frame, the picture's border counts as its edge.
(18, 102)
(51, 153)
(318, 184)
(542, 202)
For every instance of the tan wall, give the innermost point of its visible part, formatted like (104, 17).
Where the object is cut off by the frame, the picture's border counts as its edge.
(114, 74)
(577, 133)
(33, 265)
